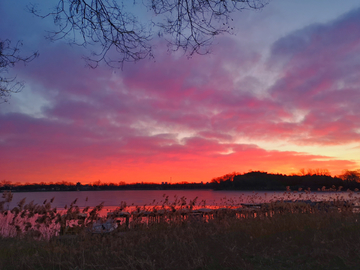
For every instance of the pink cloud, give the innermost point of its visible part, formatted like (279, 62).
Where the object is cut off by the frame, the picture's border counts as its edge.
(102, 122)
(44, 153)
(320, 64)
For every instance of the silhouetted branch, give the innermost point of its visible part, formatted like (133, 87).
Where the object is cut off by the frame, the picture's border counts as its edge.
(193, 24)
(103, 22)
(9, 56)
(187, 24)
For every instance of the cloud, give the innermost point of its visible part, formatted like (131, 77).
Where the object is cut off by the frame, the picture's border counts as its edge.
(187, 117)
(320, 64)
(37, 149)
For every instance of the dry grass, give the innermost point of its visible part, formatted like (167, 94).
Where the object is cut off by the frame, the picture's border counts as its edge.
(281, 236)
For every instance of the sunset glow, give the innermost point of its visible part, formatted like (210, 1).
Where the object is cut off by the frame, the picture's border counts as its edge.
(281, 95)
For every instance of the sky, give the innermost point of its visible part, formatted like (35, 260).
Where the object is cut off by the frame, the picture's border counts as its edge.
(280, 95)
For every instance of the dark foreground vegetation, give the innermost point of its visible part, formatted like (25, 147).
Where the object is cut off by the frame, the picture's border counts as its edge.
(288, 241)
(277, 235)
(255, 180)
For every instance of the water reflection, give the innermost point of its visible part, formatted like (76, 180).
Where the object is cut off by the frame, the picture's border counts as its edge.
(113, 199)
(39, 215)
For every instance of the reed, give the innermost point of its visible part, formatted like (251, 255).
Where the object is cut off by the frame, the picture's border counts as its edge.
(278, 235)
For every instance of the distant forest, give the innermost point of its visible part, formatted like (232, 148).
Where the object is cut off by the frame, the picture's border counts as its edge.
(311, 180)
(314, 180)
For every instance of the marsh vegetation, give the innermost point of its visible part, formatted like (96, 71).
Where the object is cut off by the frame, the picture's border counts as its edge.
(183, 234)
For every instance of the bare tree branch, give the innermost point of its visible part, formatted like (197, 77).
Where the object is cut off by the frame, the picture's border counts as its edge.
(190, 25)
(103, 22)
(193, 24)
(9, 56)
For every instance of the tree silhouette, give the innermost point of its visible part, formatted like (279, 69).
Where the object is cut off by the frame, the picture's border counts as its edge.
(351, 176)
(9, 56)
(190, 25)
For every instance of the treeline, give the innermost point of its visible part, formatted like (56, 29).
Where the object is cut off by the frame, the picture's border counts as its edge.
(254, 180)
(68, 186)
(313, 180)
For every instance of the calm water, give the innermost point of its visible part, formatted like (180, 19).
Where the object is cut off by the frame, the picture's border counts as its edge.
(113, 199)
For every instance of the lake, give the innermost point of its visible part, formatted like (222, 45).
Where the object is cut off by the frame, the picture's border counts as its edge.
(113, 199)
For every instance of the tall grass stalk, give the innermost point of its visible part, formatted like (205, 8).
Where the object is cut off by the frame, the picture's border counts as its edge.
(278, 235)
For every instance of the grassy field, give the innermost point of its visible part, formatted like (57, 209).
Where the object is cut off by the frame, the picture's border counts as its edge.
(289, 241)
(303, 239)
